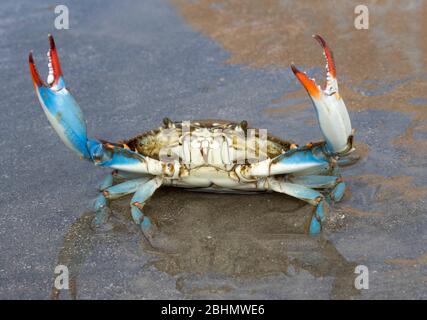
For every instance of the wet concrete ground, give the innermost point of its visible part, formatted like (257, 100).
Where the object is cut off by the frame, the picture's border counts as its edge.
(131, 64)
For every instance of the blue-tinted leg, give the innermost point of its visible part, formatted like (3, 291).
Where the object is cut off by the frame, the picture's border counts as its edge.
(318, 217)
(130, 175)
(348, 160)
(138, 202)
(309, 195)
(315, 181)
(107, 182)
(102, 212)
(338, 192)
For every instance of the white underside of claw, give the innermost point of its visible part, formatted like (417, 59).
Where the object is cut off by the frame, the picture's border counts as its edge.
(342, 109)
(334, 122)
(50, 76)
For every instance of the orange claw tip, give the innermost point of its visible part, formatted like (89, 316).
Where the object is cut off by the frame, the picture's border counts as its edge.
(33, 70)
(308, 84)
(328, 54)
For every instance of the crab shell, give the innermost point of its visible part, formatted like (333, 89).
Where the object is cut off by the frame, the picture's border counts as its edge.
(209, 154)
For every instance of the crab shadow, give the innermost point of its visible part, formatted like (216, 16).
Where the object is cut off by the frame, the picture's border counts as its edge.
(205, 236)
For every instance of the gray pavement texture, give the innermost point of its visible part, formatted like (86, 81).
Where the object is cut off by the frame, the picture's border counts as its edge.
(129, 64)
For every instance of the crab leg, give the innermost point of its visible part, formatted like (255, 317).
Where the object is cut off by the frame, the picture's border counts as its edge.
(107, 181)
(338, 192)
(128, 175)
(102, 211)
(316, 181)
(322, 182)
(124, 160)
(288, 163)
(349, 160)
(144, 192)
(311, 196)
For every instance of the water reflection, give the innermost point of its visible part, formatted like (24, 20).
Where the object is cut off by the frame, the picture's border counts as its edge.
(206, 237)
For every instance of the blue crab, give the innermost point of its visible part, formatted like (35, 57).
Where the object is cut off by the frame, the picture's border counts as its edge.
(208, 155)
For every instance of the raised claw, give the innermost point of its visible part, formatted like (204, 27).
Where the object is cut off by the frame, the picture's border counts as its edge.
(332, 113)
(60, 108)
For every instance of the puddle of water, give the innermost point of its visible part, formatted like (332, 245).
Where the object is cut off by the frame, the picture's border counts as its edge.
(234, 239)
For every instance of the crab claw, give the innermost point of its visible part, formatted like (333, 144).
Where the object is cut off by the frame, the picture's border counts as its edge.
(61, 109)
(331, 111)
(55, 81)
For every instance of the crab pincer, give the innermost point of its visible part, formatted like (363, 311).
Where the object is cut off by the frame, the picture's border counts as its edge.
(62, 111)
(331, 111)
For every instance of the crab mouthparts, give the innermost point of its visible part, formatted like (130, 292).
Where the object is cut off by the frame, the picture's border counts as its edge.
(54, 67)
(310, 84)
